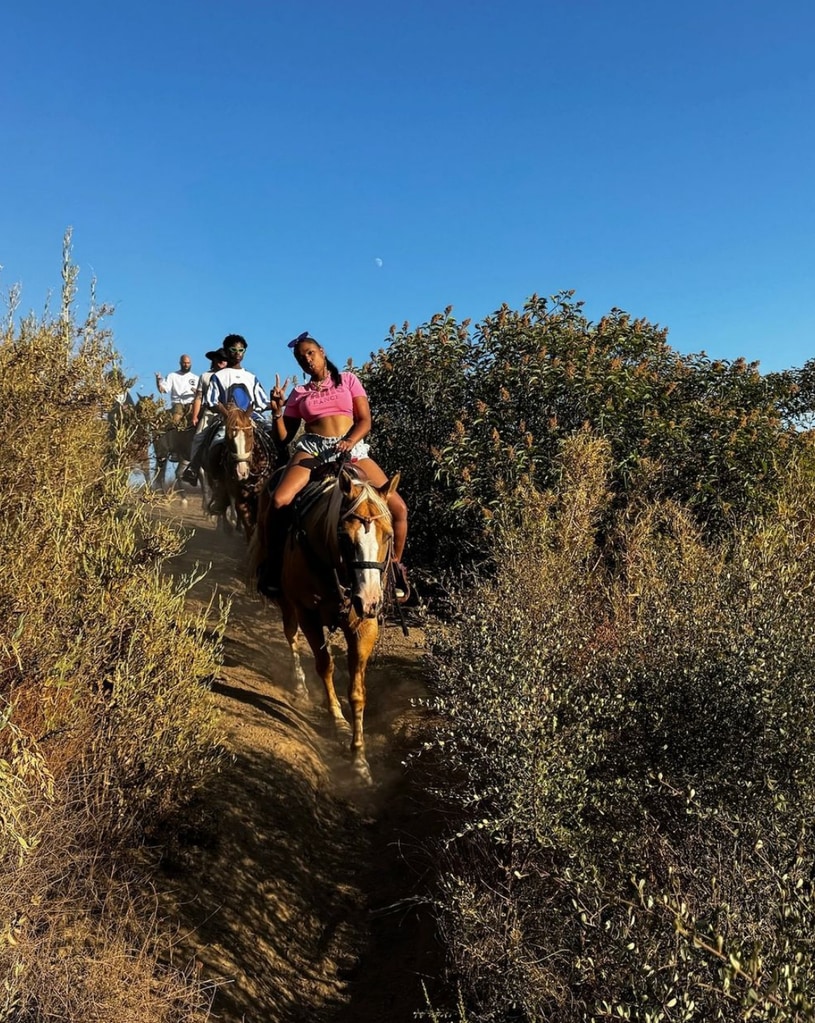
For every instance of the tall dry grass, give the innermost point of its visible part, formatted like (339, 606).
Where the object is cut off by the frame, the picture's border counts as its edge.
(106, 725)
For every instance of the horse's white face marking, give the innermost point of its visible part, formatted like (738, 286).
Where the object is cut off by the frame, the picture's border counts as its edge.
(242, 452)
(369, 547)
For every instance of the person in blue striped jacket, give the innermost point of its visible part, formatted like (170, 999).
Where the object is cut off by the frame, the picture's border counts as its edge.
(234, 384)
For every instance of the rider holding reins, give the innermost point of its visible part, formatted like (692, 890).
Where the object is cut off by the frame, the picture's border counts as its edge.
(334, 409)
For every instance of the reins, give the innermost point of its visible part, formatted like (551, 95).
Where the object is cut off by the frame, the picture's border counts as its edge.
(239, 459)
(366, 520)
(340, 562)
(261, 452)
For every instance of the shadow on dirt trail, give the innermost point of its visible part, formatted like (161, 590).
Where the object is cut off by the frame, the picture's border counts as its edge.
(294, 890)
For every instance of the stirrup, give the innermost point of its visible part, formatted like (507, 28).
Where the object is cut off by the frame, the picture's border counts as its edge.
(401, 586)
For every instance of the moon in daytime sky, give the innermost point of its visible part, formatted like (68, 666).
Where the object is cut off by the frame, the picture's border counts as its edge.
(378, 261)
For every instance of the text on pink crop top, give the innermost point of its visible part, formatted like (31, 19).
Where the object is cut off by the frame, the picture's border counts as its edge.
(309, 404)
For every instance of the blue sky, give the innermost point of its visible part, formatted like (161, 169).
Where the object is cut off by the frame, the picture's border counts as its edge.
(266, 168)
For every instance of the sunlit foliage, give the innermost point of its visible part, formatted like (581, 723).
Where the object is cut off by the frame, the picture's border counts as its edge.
(106, 725)
(469, 415)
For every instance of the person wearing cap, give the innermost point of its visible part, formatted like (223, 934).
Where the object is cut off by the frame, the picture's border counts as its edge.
(231, 383)
(203, 416)
(181, 388)
(234, 383)
(333, 408)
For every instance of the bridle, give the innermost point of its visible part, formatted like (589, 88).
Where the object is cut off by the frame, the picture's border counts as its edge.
(366, 520)
(232, 455)
(347, 561)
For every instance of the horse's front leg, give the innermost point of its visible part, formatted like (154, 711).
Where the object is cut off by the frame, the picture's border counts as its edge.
(290, 629)
(312, 628)
(206, 491)
(243, 510)
(159, 475)
(361, 642)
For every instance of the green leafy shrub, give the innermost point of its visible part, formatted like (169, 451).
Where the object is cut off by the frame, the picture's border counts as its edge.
(418, 390)
(472, 416)
(628, 747)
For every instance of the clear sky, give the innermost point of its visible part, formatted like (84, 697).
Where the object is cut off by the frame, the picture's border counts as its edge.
(337, 166)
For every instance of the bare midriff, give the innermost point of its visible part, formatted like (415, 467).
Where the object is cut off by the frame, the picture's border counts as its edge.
(330, 426)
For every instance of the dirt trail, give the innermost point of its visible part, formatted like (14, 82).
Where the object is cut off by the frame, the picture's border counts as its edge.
(294, 888)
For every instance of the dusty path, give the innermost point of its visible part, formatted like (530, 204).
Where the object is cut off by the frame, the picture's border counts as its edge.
(294, 889)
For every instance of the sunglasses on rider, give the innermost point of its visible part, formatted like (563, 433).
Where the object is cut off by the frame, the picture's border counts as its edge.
(305, 336)
(235, 349)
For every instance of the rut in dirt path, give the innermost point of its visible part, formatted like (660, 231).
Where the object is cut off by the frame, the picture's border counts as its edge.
(296, 891)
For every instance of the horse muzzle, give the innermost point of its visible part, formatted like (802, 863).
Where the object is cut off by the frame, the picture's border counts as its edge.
(367, 606)
(368, 594)
(241, 467)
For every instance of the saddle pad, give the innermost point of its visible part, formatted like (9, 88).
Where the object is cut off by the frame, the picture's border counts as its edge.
(311, 494)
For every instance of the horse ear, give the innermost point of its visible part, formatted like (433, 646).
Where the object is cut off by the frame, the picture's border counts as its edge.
(221, 408)
(390, 486)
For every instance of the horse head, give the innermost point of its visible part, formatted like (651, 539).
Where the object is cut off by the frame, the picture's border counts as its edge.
(239, 440)
(365, 534)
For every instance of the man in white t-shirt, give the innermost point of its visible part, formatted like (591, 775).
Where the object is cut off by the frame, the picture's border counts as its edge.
(181, 388)
(234, 384)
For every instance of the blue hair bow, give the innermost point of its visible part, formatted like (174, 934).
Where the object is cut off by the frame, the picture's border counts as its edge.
(305, 336)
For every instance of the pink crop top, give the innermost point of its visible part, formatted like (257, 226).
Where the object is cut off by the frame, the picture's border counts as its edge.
(310, 404)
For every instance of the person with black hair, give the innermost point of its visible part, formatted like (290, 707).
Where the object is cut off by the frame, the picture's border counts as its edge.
(203, 415)
(230, 383)
(234, 383)
(333, 408)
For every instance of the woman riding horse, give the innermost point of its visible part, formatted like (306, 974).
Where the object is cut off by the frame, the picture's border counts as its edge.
(334, 409)
(333, 577)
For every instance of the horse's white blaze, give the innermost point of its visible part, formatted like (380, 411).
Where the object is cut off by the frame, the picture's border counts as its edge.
(243, 453)
(369, 579)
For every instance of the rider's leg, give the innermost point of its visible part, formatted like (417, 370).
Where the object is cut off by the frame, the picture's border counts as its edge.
(399, 514)
(292, 481)
(190, 474)
(199, 447)
(294, 478)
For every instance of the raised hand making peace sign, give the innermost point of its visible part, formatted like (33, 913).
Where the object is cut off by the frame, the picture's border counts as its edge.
(278, 396)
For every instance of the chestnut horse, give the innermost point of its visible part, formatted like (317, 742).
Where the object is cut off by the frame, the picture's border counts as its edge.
(335, 564)
(240, 468)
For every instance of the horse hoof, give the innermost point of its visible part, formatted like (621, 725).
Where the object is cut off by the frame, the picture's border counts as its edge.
(343, 729)
(362, 771)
